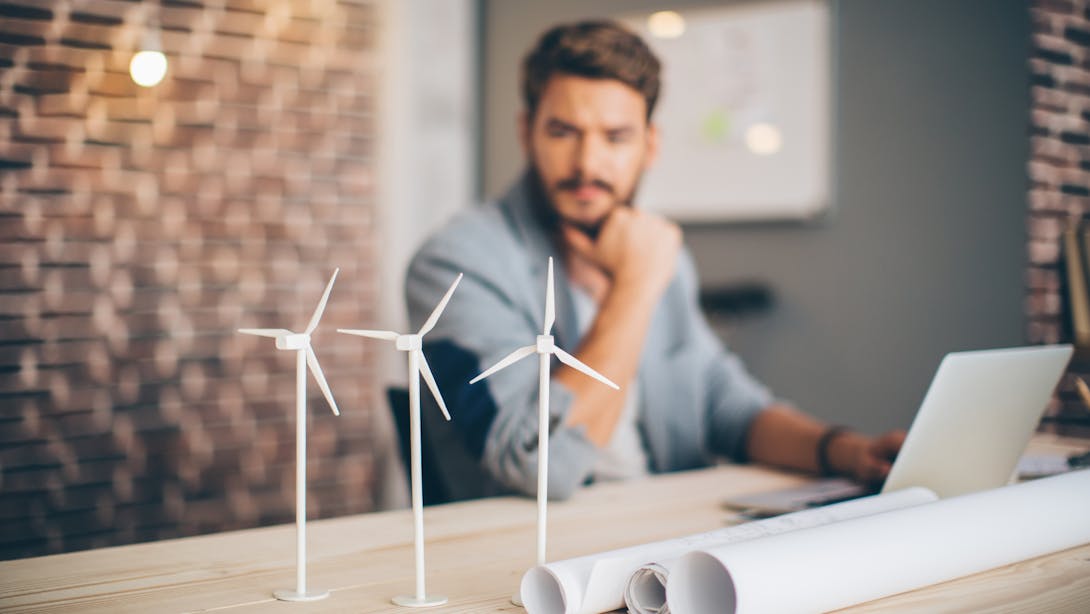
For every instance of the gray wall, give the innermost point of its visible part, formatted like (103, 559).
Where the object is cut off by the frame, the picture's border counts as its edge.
(924, 249)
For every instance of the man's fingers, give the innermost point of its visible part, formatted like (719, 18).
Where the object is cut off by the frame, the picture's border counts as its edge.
(876, 458)
(578, 241)
(895, 438)
(889, 444)
(873, 470)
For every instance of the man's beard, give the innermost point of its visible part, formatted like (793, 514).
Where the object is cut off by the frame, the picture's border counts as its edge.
(547, 211)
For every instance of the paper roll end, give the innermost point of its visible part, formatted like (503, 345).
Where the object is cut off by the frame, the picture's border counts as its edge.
(701, 584)
(543, 593)
(645, 591)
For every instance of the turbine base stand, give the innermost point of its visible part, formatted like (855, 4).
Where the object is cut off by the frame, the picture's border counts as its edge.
(412, 601)
(311, 595)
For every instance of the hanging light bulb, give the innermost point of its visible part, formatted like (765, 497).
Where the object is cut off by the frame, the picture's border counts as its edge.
(149, 65)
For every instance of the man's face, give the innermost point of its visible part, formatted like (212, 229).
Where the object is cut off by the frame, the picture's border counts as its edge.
(589, 142)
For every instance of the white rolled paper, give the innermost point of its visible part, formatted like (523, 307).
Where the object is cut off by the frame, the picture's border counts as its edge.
(596, 582)
(645, 592)
(837, 565)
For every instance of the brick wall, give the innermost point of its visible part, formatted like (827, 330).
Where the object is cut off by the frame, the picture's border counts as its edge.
(140, 227)
(1059, 170)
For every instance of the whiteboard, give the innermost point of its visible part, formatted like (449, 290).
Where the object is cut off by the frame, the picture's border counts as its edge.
(738, 78)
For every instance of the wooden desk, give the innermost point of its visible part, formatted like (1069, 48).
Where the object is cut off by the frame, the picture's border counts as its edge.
(476, 554)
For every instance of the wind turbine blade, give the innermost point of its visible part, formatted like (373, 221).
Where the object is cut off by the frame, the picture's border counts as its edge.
(316, 369)
(321, 304)
(574, 363)
(430, 380)
(550, 301)
(510, 359)
(374, 334)
(265, 332)
(434, 317)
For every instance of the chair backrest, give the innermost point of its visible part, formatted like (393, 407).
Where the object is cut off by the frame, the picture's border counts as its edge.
(459, 475)
(433, 490)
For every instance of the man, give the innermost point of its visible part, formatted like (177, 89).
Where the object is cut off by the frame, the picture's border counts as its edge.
(626, 305)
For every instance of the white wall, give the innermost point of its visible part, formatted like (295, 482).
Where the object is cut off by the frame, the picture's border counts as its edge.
(427, 151)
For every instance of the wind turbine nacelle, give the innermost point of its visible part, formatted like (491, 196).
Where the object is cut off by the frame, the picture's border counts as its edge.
(294, 341)
(407, 343)
(545, 344)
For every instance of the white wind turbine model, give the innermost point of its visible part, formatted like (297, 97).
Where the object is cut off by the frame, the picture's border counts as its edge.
(544, 348)
(304, 357)
(417, 364)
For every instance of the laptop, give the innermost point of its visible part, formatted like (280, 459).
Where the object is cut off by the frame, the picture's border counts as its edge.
(974, 423)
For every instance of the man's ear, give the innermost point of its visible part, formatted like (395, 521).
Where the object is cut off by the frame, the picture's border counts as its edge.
(652, 152)
(524, 132)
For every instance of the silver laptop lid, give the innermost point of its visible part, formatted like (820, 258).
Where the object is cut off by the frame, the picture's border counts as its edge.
(976, 419)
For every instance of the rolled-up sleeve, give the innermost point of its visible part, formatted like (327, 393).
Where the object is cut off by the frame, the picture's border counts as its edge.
(488, 317)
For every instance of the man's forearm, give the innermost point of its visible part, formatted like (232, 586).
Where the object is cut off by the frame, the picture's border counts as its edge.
(786, 437)
(612, 347)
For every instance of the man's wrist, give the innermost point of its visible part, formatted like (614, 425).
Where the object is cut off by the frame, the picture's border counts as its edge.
(843, 450)
(823, 450)
(633, 290)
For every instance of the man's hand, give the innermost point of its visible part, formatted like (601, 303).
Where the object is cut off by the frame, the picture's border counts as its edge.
(626, 268)
(865, 459)
(636, 249)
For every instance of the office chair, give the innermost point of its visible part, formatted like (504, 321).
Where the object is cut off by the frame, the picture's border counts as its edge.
(433, 489)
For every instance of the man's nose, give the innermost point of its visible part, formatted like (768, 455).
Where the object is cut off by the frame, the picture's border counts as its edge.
(589, 158)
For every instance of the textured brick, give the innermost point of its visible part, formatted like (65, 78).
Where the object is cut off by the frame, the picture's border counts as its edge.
(1060, 147)
(140, 227)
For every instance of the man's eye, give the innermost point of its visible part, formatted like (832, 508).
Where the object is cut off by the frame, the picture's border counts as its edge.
(559, 132)
(618, 137)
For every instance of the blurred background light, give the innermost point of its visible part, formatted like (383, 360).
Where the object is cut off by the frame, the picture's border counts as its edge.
(148, 67)
(764, 139)
(666, 24)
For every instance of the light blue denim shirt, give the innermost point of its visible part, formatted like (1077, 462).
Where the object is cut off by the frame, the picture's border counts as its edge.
(696, 398)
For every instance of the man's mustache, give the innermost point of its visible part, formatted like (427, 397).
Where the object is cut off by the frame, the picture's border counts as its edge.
(573, 184)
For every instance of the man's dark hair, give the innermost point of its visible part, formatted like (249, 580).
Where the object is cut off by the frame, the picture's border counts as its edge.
(593, 49)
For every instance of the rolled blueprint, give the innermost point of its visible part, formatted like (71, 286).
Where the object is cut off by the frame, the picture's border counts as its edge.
(596, 582)
(837, 565)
